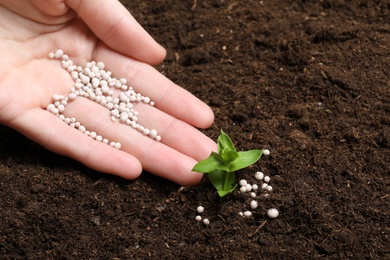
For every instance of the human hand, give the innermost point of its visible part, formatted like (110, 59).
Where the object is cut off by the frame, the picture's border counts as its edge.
(99, 30)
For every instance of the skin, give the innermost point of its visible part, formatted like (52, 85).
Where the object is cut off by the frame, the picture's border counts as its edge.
(100, 30)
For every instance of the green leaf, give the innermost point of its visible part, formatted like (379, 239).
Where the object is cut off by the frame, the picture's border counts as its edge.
(223, 181)
(245, 158)
(224, 143)
(229, 156)
(222, 193)
(212, 163)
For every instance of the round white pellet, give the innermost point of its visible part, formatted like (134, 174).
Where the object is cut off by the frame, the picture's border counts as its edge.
(85, 79)
(71, 68)
(58, 54)
(110, 106)
(104, 75)
(72, 96)
(99, 138)
(74, 75)
(117, 145)
(140, 128)
(86, 71)
(103, 102)
(267, 178)
(118, 84)
(266, 152)
(198, 218)
(264, 186)
(100, 65)
(255, 187)
(92, 75)
(103, 83)
(61, 108)
(146, 131)
(259, 176)
(93, 135)
(243, 182)
(105, 89)
(114, 112)
(56, 97)
(247, 213)
(124, 117)
(241, 214)
(95, 69)
(92, 96)
(158, 138)
(51, 55)
(123, 81)
(200, 209)
(54, 111)
(269, 188)
(243, 189)
(206, 221)
(254, 204)
(64, 64)
(272, 213)
(50, 107)
(253, 194)
(82, 128)
(146, 100)
(153, 133)
(248, 187)
(95, 82)
(134, 124)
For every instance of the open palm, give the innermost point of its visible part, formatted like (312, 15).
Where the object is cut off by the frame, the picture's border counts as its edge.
(97, 30)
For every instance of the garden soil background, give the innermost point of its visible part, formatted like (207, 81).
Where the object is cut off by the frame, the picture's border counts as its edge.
(308, 80)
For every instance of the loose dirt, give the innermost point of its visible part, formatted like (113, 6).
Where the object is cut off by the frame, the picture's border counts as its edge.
(308, 80)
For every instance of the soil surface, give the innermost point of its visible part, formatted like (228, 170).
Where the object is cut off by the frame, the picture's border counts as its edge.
(308, 80)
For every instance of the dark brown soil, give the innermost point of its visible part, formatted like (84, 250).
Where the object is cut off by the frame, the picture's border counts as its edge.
(309, 80)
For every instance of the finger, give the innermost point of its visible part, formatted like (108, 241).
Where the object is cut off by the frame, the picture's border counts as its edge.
(116, 27)
(167, 96)
(176, 133)
(46, 12)
(155, 157)
(55, 135)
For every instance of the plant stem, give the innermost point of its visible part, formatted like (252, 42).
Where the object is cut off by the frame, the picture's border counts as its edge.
(226, 182)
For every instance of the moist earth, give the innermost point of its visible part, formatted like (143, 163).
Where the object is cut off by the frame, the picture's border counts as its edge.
(308, 80)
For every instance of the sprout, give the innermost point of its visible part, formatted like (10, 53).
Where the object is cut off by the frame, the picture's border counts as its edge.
(221, 167)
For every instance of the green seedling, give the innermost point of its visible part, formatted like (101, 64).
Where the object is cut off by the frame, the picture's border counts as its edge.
(221, 167)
